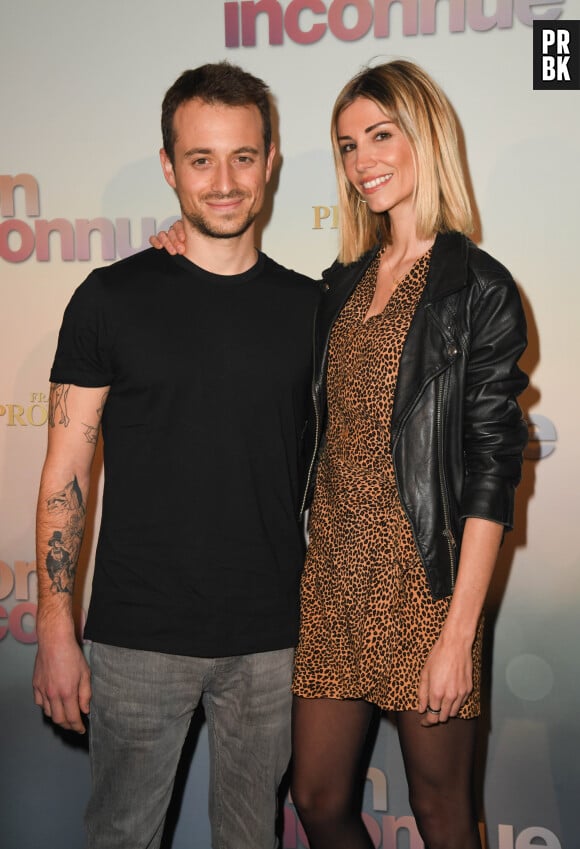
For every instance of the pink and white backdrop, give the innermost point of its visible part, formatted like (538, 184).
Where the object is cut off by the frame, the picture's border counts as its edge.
(80, 185)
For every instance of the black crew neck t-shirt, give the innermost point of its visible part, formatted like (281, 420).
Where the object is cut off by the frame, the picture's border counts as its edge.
(200, 548)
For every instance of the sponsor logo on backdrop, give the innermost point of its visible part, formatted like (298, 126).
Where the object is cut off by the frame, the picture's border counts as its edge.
(71, 241)
(308, 21)
(557, 55)
(33, 413)
(18, 601)
(542, 438)
(325, 218)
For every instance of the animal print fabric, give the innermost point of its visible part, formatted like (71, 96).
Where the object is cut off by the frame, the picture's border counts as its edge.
(368, 619)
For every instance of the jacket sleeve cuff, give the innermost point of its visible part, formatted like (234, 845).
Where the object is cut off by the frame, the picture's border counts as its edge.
(488, 497)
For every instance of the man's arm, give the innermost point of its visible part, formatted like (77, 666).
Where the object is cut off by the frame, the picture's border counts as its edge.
(61, 679)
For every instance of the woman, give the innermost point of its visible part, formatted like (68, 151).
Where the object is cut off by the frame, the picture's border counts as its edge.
(420, 444)
(418, 448)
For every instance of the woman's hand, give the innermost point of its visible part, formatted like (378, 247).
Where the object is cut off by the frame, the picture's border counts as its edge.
(173, 240)
(447, 678)
(446, 681)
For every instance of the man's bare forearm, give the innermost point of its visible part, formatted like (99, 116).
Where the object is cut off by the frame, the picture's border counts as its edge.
(60, 528)
(64, 515)
(74, 421)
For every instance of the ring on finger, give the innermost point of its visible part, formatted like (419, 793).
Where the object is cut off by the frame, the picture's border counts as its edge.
(432, 710)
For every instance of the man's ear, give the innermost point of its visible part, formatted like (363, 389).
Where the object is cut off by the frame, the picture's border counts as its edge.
(270, 161)
(167, 167)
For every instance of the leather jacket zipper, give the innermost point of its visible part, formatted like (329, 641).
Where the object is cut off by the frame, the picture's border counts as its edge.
(313, 392)
(447, 531)
(314, 453)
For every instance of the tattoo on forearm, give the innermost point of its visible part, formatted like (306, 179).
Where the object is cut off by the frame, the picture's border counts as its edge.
(57, 404)
(92, 431)
(65, 543)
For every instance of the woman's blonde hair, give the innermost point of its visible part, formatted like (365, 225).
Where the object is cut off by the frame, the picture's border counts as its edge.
(416, 104)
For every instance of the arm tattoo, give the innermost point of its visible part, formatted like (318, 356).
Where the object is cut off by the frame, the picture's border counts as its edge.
(92, 432)
(57, 402)
(62, 557)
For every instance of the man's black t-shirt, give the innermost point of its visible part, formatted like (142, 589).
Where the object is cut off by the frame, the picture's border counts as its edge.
(200, 548)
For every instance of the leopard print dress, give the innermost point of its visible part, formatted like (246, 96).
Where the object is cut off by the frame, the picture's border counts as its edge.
(368, 620)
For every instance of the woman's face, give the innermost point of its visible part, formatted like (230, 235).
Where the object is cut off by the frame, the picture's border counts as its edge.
(377, 158)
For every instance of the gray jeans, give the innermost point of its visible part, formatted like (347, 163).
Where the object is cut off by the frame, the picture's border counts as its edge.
(141, 709)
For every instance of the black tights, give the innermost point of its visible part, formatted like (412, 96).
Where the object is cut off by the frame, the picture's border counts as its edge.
(328, 740)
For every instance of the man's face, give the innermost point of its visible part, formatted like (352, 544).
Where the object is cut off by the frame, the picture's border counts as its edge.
(220, 167)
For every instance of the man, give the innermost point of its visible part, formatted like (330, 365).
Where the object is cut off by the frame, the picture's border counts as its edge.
(198, 368)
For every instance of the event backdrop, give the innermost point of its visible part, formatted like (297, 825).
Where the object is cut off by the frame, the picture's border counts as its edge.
(80, 185)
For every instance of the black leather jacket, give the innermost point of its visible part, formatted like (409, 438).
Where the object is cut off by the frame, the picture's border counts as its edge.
(457, 432)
